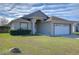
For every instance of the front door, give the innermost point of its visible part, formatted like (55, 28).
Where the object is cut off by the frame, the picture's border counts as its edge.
(37, 26)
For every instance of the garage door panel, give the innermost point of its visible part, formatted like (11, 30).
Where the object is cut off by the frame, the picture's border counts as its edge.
(61, 29)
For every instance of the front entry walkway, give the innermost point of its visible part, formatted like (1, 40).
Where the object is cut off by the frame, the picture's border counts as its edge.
(73, 36)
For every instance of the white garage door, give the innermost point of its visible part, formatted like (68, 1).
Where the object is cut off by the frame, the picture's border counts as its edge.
(62, 29)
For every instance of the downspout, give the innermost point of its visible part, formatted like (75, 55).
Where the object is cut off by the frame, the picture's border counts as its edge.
(53, 29)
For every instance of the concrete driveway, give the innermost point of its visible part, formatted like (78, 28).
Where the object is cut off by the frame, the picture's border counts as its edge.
(72, 36)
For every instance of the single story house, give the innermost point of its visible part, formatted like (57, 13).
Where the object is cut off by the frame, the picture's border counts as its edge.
(40, 23)
(77, 27)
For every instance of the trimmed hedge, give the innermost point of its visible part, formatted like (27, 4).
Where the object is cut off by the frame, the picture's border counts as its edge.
(20, 32)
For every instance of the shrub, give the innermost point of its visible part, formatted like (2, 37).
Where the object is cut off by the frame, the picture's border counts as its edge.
(4, 29)
(20, 32)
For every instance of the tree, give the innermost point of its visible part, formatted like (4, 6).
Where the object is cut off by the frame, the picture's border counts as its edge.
(3, 21)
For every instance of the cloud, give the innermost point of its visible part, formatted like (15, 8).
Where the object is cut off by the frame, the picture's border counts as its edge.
(65, 10)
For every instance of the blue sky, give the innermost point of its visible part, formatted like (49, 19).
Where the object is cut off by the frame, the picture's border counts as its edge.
(69, 11)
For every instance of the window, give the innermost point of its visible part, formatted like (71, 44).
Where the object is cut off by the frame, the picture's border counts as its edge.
(24, 26)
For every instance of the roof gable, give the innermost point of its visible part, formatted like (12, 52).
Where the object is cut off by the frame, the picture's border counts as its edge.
(55, 19)
(36, 14)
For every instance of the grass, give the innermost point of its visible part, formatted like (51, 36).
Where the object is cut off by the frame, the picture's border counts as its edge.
(39, 45)
(77, 33)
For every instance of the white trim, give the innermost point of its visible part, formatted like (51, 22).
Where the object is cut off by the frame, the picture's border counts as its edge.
(33, 26)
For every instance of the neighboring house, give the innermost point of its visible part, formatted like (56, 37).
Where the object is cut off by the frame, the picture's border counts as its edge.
(40, 23)
(77, 27)
(4, 28)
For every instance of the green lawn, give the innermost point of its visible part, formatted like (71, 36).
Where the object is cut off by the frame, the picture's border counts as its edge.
(77, 33)
(39, 45)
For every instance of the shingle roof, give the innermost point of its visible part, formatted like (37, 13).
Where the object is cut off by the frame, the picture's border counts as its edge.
(60, 20)
(41, 14)
(36, 14)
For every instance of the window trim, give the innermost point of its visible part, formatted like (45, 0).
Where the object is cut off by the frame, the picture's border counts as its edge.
(25, 23)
